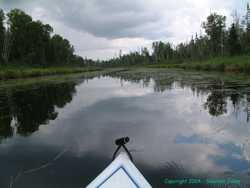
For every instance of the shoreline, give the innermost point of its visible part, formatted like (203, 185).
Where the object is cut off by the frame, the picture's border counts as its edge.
(8, 73)
(237, 64)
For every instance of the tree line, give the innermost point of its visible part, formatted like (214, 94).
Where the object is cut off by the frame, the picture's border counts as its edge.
(27, 41)
(218, 41)
(24, 40)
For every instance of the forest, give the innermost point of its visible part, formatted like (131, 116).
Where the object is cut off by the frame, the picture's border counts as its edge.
(218, 41)
(26, 41)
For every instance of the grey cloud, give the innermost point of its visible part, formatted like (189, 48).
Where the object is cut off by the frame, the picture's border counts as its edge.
(109, 19)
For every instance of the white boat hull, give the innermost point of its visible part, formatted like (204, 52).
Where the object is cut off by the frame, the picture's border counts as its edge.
(120, 173)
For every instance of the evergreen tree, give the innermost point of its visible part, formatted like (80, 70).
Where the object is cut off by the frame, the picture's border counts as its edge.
(214, 27)
(246, 40)
(32, 43)
(233, 41)
(2, 31)
(245, 36)
(18, 22)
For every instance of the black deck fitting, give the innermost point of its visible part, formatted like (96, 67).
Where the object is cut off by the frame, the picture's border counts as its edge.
(121, 142)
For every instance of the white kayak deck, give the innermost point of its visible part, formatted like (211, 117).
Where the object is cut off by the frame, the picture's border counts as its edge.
(120, 173)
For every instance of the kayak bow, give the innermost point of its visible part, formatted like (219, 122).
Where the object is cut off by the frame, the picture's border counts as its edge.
(121, 172)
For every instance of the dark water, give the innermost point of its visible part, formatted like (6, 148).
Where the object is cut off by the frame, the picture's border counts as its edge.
(182, 125)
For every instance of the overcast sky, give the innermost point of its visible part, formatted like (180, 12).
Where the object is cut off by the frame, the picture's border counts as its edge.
(99, 28)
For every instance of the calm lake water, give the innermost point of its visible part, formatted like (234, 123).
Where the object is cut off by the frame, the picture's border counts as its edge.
(60, 133)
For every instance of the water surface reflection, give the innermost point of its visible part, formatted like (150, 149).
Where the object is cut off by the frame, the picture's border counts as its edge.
(182, 124)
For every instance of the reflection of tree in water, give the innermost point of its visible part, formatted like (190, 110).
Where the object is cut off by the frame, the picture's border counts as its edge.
(32, 107)
(5, 119)
(235, 98)
(218, 91)
(163, 84)
(248, 107)
(136, 78)
(216, 102)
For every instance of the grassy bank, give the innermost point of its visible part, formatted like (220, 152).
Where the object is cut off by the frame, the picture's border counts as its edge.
(236, 64)
(11, 72)
(224, 64)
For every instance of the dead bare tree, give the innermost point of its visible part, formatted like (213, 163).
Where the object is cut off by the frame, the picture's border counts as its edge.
(8, 40)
